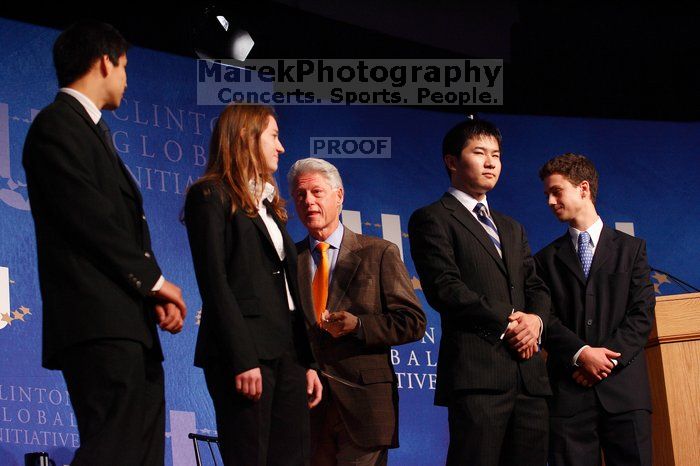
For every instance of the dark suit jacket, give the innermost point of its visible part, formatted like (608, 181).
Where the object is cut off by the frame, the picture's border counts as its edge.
(245, 313)
(96, 266)
(613, 308)
(474, 290)
(370, 281)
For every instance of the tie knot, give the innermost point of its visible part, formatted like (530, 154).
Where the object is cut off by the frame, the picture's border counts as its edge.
(480, 209)
(323, 247)
(584, 238)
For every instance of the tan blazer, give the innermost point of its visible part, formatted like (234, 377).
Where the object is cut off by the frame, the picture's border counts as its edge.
(370, 281)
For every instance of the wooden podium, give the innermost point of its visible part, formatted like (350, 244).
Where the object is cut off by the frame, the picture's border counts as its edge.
(673, 356)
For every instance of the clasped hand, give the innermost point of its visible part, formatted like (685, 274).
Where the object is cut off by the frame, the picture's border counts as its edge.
(594, 364)
(523, 333)
(170, 308)
(339, 323)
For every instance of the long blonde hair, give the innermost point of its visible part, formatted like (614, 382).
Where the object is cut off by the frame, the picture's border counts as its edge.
(235, 158)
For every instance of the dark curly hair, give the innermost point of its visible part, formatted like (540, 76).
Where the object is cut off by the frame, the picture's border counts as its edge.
(576, 168)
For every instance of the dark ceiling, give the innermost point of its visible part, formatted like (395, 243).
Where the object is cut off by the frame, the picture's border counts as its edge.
(575, 59)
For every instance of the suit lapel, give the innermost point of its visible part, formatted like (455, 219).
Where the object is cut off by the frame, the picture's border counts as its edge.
(509, 243)
(80, 110)
(289, 245)
(126, 181)
(345, 267)
(603, 250)
(132, 187)
(290, 253)
(260, 224)
(567, 255)
(287, 242)
(464, 217)
(304, 275)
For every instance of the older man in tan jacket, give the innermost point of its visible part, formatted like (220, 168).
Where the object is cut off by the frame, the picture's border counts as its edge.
(359, 301)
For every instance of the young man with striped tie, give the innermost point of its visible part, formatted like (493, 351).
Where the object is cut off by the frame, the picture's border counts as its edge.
(476, 270)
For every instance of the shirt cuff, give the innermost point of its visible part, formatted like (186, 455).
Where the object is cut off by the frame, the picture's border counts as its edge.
(539, 337)
(506, 330)
(360, 330)
(574, 360)
(159, 284)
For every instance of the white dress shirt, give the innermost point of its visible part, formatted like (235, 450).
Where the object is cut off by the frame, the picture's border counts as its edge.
(469, 202)
(594, 231)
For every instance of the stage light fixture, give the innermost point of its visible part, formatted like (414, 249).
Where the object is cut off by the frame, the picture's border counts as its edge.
(216, 35)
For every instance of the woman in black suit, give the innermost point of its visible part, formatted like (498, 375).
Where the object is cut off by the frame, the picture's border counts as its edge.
(252, 342)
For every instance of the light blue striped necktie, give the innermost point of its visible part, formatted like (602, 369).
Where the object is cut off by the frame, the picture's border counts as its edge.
(490, 227)
(585, 252)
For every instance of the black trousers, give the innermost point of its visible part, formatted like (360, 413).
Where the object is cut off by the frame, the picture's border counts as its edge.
(625, 438)
(117, 392)
(270, 432)
(489, 428)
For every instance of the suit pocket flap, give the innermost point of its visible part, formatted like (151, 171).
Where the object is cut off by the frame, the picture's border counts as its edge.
(249, 307)
(377, 375)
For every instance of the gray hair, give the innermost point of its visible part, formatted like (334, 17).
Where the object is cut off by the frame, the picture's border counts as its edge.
(313, 165)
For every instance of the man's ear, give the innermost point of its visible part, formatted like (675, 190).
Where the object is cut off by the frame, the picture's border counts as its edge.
(341, 195)
(450, 162)
(105, 65)
(585, 189)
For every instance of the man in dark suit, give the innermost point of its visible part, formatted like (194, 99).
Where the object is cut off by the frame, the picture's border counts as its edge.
(476, 270)
(359, 302)
(102, 290)
(602, 304)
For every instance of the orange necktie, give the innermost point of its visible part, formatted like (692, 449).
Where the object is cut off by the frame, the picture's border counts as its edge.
(319, 285)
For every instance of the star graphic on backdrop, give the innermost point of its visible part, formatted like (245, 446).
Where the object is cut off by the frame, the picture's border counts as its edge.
(198, 317)
(25, 310)
(656, 288)
(405, 235)
(416, 283)
(7, 318)
(18, 315)
(660, 277)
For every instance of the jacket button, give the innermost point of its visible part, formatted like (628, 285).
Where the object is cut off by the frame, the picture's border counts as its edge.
(138, 283)
(147, 254)
(143, 216)
(589, 322)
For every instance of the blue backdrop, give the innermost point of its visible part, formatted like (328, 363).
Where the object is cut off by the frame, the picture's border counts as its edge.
(648, 173)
